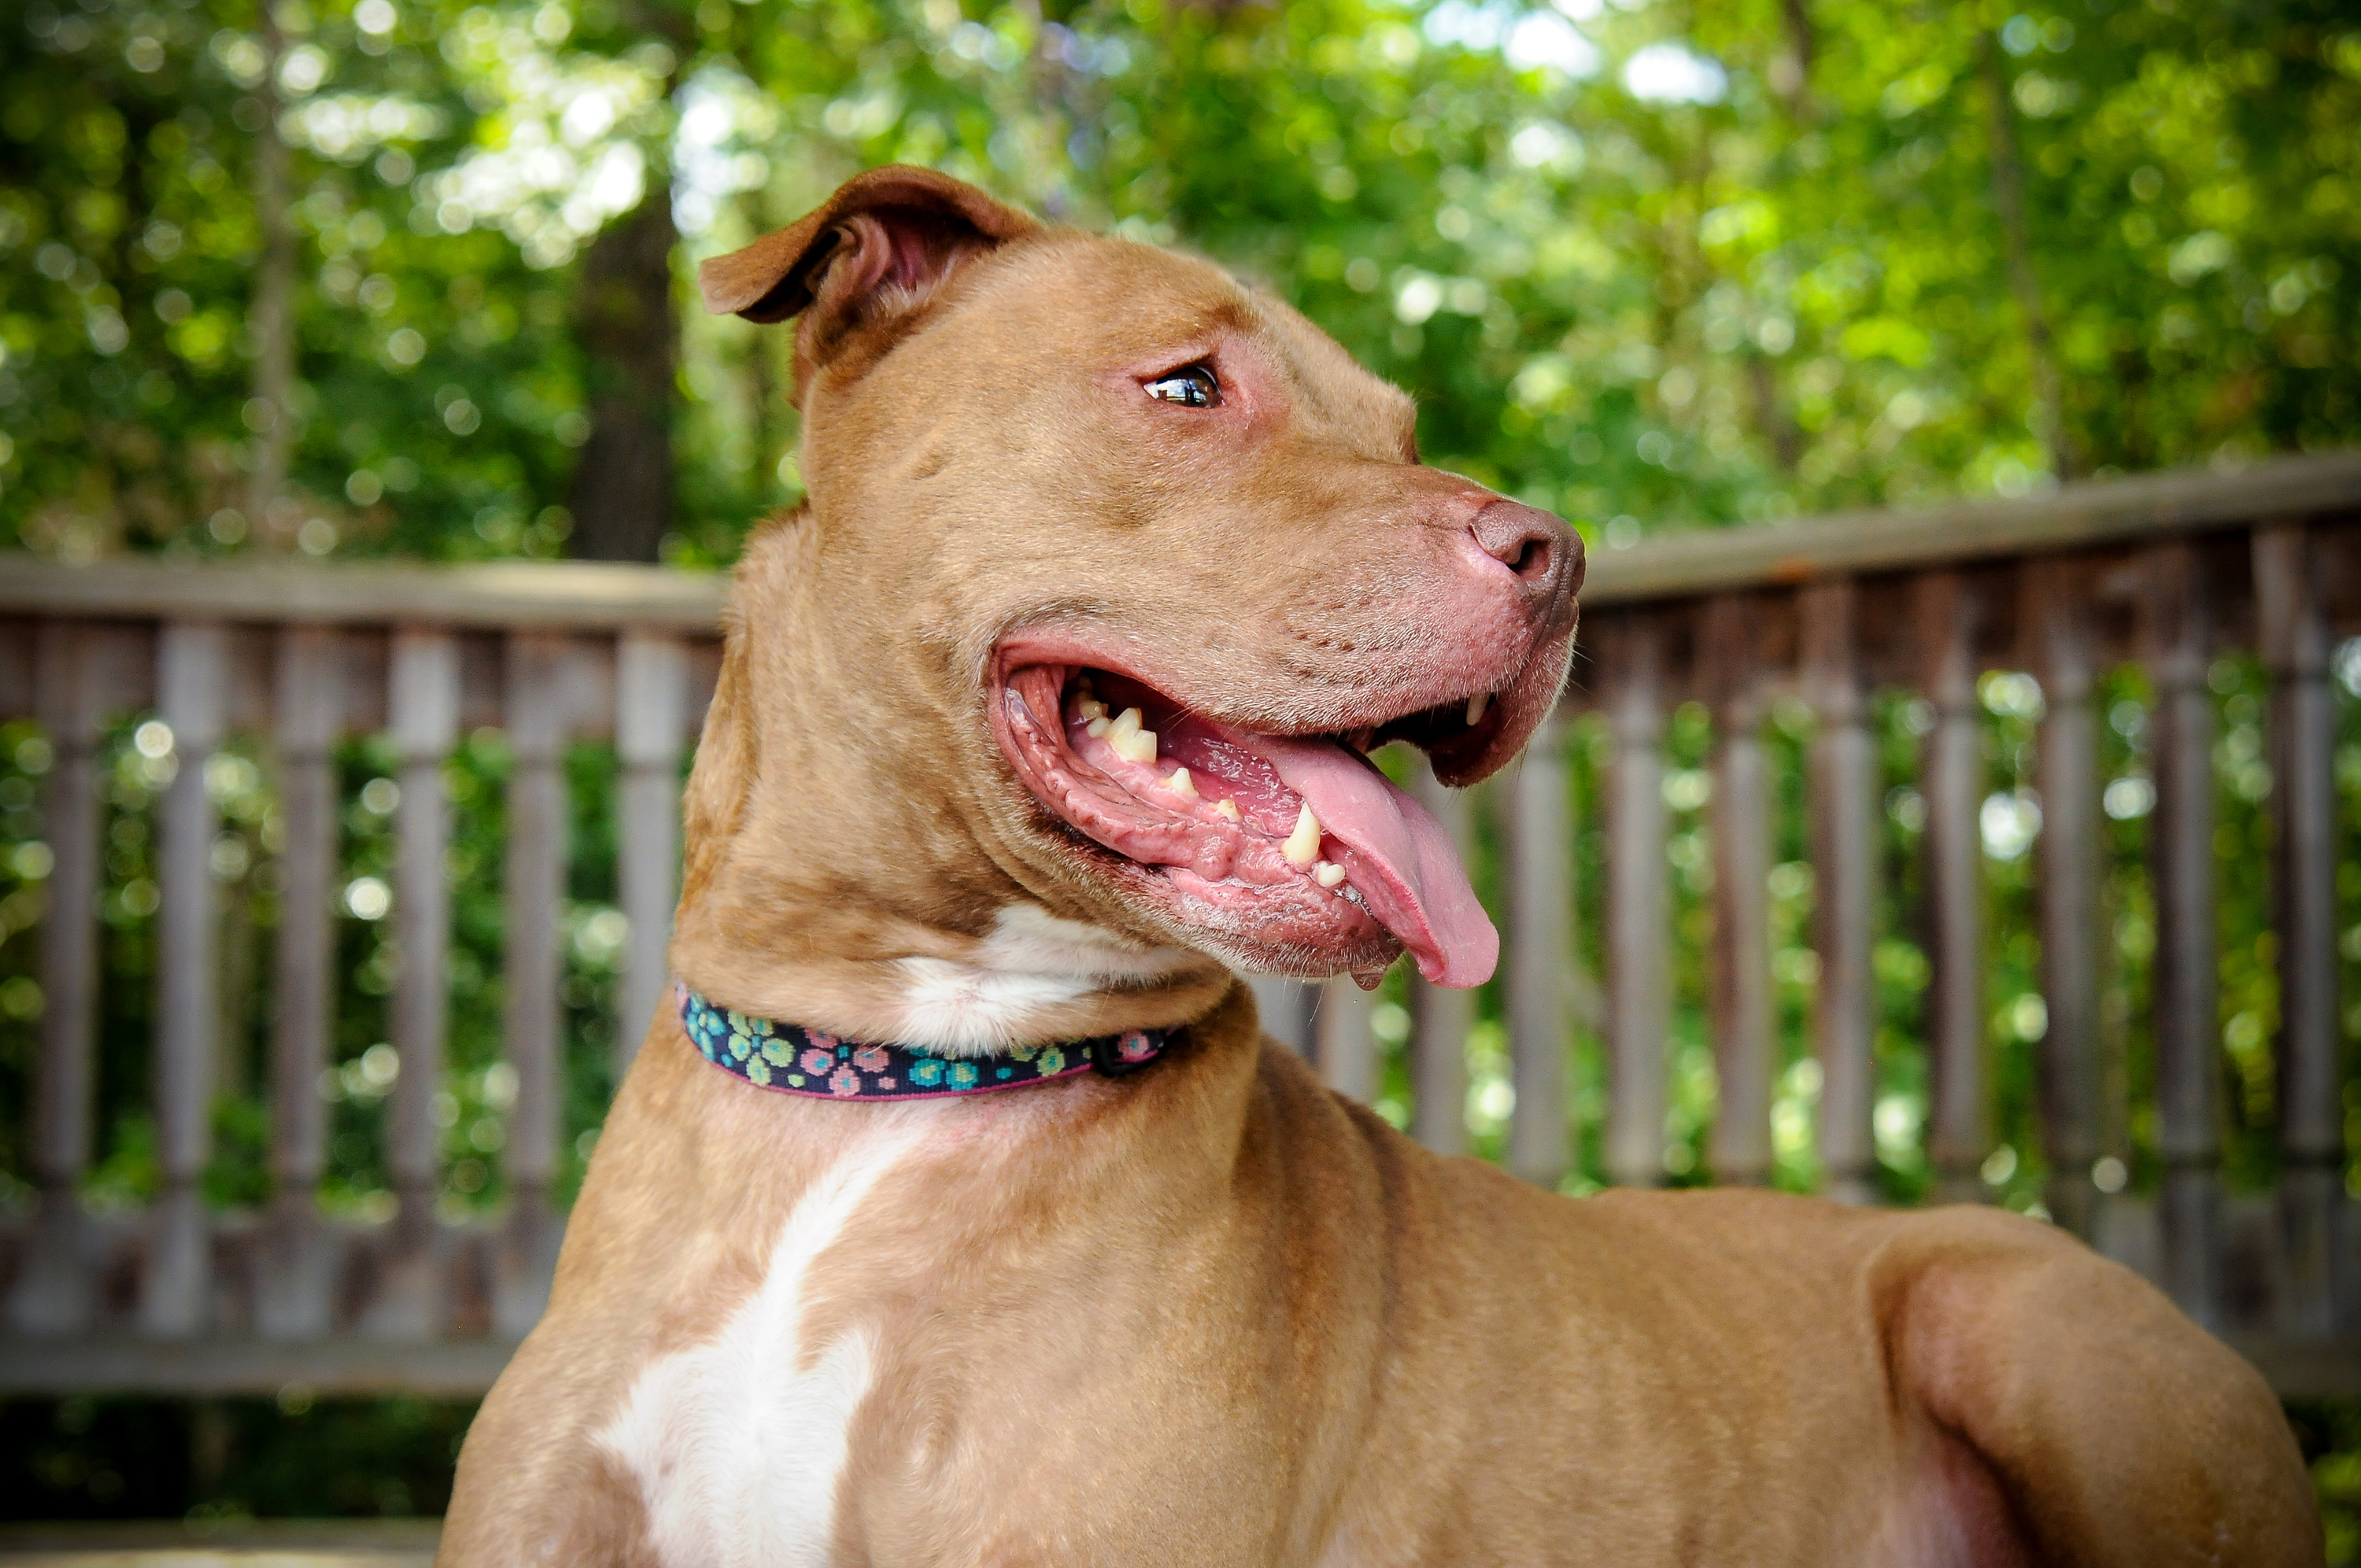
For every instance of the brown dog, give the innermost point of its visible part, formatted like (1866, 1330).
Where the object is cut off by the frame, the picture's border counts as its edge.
(1206, 1311)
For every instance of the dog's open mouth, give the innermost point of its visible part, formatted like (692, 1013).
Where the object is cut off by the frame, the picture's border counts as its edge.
(1294, 847)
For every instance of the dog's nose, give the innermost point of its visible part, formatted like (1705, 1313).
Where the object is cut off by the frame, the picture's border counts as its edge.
(1544, 552)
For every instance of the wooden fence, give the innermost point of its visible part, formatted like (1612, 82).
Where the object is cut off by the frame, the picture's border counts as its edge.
(2167, 573)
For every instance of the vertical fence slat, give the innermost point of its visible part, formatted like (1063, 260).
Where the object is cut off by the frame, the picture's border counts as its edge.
(1439, 1018)
(2295, 640)
(2068, 887)
(1284, 1007)
(294, 1299)
(1639, 971)
(651, 728)
(1346, 1049)
(2184, 970)
(535, 876)
(424, 714)
(1541, 954)
(52, 1292)
(1740, 1149)
(1844, 807)
(193, 687)
(1954, 777)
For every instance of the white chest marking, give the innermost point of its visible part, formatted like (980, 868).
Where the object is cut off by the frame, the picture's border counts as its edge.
(735, 1443)
(1031, 961)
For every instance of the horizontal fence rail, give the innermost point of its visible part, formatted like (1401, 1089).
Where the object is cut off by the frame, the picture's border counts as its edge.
(1766, 809)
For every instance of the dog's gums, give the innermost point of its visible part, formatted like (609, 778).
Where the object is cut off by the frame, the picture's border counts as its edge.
(1297, 840)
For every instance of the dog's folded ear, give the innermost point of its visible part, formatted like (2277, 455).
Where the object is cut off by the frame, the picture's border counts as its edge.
(887, 237)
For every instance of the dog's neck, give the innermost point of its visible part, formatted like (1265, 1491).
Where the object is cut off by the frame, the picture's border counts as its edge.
(1032, 978)
(841, 871)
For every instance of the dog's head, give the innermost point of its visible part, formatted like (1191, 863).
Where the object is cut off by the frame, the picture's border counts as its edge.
(1113, 573)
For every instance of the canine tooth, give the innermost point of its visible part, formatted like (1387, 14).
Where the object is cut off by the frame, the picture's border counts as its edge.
(1097, 728)
(1327, 873)
(1180, 783)
(1302, 846)
(1475, 706)
(1228, 809)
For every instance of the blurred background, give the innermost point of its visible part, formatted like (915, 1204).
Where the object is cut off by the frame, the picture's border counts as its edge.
(411, 276)
(408, 277)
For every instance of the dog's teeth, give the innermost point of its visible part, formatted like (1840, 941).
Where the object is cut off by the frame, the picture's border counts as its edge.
(1132, 743)
(1089, 707)
(1228, 809)
(1097, 728)
(1327, 873)
(1180, 783)
(1475, 706)
(1302, 846)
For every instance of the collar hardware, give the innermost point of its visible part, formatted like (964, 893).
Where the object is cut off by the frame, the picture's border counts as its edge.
(793, 1059)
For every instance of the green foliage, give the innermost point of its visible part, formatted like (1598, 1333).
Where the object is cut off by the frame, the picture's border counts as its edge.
(1638, 265)
(227, 1459)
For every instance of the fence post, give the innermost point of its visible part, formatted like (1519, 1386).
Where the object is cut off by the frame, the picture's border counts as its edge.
(1541, 965)
(535, 719)
(651, 726)
(2180, 844)
(52, 1295)
(1439, 1016)
(2070, 868)
(294, 1299)
(2295, 639)
(1843, 770)
(1348, 1051)
(1639, 974)
(1946, 611)
(424, 714)
(192, 687)
(1739, 1150)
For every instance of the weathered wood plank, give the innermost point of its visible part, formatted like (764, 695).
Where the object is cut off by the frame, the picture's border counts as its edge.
(52, 1291)
(1844, 810)
(652, 679)
(1284, 1009)
(2068, 887)
(1345, 1047)
(2077, 516)
(1440, 1018)
(2295, 648)
(1542, 964)
(2185, 967)
(423, 706)
(531, 1018)
(1953, 784)
(1639, 969)
(193, 683)
(294, 1295)
(1739, 1150)
(577, 596)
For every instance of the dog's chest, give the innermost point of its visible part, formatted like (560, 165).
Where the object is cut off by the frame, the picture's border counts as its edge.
(737, 1443)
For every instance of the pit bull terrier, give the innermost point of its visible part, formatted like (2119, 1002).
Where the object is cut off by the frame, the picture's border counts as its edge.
(960, 1213)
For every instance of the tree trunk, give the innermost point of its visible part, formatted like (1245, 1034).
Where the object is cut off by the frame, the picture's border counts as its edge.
(623, 491)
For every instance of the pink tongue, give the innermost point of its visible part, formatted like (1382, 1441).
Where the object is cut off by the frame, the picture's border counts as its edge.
(1401, 861)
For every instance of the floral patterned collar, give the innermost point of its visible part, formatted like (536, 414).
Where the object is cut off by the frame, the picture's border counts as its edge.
(796, 1061)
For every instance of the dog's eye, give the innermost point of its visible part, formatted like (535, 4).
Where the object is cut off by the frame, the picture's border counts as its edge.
(1191, 386)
